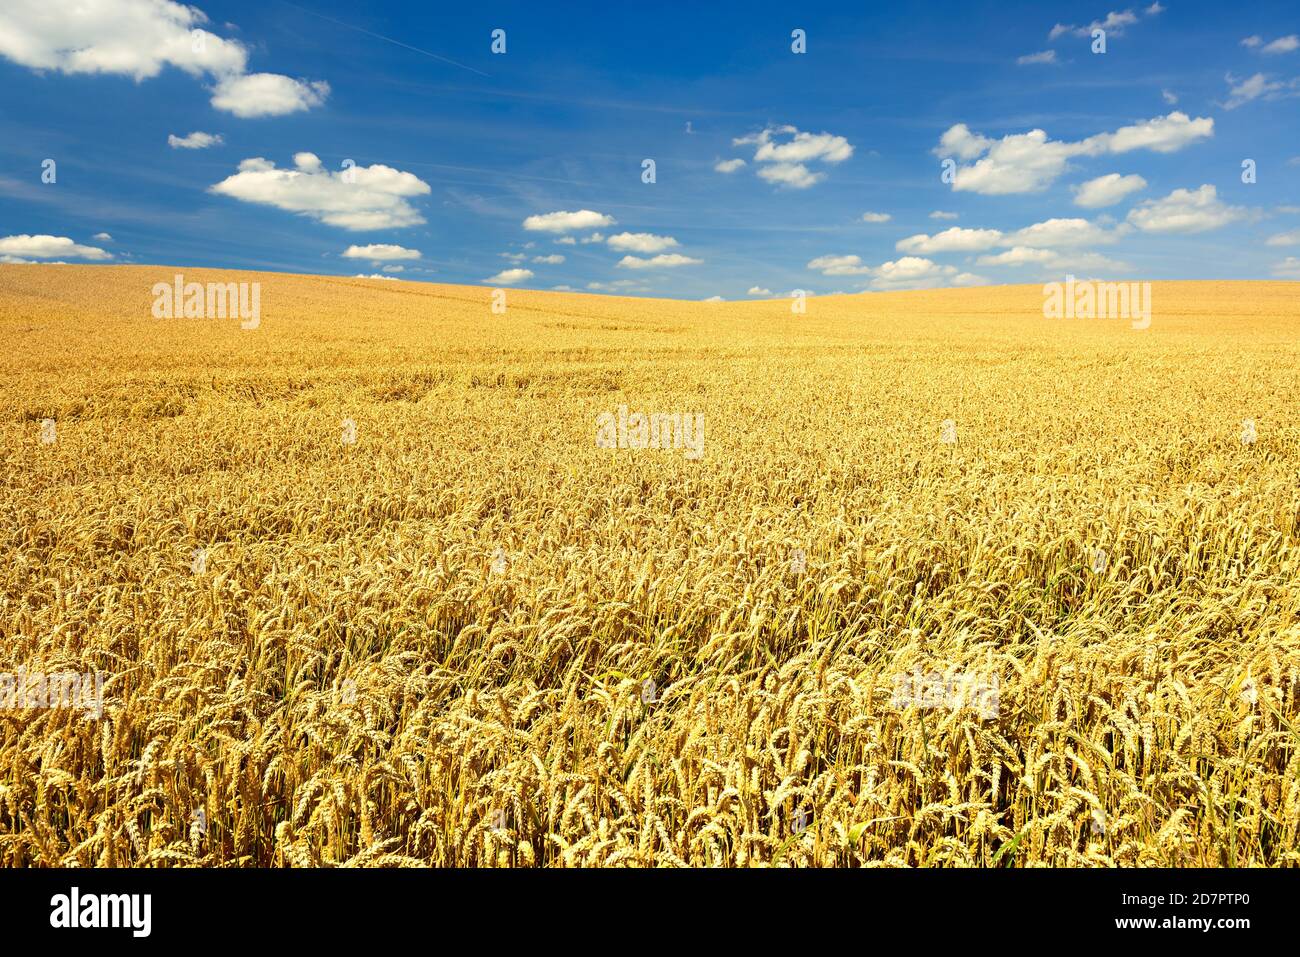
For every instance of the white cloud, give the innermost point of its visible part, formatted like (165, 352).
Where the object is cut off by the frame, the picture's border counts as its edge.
(1053, 260)
(47, 247)
(876, 217)
(1017, 256)
(1028, 162)
(1254, 87)
(794, 175)
(1288, 268)
(713, 299)
(654, 262)
(728, 166)
(943, 214)
(1046, 56)
(620, 284)
(507, 277)
(914, 272)
(593, 238)
(907, 272)
(783, 161)
(1061, 232)
(135, 38)
(1252, 41)
(758, 291)
(952, 240)
(102, 237)
(1169, 97)
(1284, 239)
(566, 241)
(552, 260)
(1185, 211)
(563, 222)
(640, 242)
(1161, 134)
(1114, 24)
(194, 141)
(380, 252)
(394, 269)
(376, 198)
(840, 266)
(139, 39)
(1286, 44)
(267, 94)
(514, 257)
(1107, 190)
(375, 275)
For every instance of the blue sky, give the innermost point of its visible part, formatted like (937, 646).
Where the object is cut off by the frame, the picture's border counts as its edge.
(483, 168)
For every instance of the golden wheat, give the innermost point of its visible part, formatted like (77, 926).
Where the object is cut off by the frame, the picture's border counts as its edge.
(473, 637)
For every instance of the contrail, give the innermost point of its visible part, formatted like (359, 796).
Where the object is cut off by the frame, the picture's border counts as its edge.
(380, 36)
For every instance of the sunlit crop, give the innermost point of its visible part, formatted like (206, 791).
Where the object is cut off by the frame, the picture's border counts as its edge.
(473, 636)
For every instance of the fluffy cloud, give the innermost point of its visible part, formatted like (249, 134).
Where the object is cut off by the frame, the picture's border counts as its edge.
(1017, 256)
(375, 275)
(1047, 56)
(563, 222)
(19, 248)
(380, 252)
(1285, 239)
(194, 141)
(508, 277)
(1028, 162)
(640, 242)
(952, 240)
(1107, 190)
(783, 153)
(267, 94)
(907, 272)
(552, 260)
(1060, 232)
(915, 272)
(876, 217)
(943, 214)
(839, 266)
(102, 237)
(655, 262)
(794, 175)
(1049, 233)
(135, 38)
(139, 39)
(359, 198)
(758, 291)
(728, 166)
(1185, 211)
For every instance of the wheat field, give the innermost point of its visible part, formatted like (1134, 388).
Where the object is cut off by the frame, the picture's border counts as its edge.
(473, 637)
